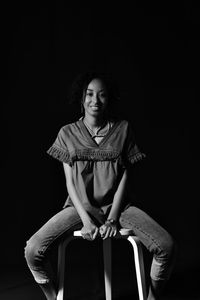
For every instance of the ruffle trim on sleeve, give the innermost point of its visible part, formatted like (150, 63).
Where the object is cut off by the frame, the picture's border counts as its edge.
(59, 154)
(82, 154)
(136, 157)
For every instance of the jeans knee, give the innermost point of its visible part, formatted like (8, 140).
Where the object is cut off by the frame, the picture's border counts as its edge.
(169, 247)
(32, 252)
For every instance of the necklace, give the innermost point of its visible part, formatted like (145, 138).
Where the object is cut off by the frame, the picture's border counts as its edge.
(95, 133)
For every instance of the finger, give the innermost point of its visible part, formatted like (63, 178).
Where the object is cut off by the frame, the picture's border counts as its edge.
(95, 233)
(111, 233)
(102, 235)
(89, 238)
(107, 233)
(83, 235)
(103, 231)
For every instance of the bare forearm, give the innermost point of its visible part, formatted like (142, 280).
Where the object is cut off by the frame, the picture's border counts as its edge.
(109, 229)
(77, 203)
(118, 198)
(74, 195)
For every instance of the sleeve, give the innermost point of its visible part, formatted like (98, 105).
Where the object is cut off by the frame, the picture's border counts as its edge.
(59, 149)
(132, 152)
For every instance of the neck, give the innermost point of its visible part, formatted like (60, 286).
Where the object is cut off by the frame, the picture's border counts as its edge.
(94, 122)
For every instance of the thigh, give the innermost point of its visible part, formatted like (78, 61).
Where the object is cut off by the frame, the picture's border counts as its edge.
(62, 223)
(151, 234)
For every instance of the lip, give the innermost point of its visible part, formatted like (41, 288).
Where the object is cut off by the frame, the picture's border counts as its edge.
(95, 107)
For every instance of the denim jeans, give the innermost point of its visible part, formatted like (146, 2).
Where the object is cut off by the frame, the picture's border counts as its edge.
(156, 239)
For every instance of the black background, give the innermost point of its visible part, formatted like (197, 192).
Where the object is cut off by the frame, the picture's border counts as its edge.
(153, 51)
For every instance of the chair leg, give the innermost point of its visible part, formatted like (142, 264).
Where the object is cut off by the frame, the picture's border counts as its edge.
(107, 256)
(61, 268)
(139, 266)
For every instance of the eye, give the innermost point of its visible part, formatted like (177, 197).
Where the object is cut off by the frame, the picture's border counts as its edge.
(103, 95)
(89, 94)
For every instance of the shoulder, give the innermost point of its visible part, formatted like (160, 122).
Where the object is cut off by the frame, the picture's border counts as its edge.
(69, 128)
(122, 125)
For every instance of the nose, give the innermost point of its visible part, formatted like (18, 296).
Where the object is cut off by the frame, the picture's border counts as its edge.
(95, 99)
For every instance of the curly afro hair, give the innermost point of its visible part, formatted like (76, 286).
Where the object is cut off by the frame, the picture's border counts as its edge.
(81, 83)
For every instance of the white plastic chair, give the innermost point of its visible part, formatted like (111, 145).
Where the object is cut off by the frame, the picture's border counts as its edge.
(107, 256)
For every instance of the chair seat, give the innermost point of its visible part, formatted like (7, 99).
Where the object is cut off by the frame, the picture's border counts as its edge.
(122, 232)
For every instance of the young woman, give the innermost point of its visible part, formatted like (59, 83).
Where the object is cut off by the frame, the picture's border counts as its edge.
(97, 152)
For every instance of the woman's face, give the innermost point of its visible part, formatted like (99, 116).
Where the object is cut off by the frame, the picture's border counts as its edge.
(96, 98)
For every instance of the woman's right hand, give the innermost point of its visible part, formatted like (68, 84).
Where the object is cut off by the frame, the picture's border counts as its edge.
(89, 231)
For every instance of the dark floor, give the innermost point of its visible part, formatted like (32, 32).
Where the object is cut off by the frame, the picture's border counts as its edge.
(17, 283)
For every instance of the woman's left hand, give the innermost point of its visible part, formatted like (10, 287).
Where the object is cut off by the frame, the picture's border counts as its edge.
(108, 230)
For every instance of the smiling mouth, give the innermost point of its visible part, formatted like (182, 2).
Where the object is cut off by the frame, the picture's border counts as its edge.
(95, 107)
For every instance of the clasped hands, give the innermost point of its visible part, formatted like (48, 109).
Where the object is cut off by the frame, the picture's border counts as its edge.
(90, 231)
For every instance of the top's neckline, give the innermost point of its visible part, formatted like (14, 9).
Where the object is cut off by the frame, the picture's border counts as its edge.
(101, 130)
(89, 137)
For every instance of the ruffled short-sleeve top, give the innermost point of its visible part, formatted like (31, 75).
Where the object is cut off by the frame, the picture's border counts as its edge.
(96, 168)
